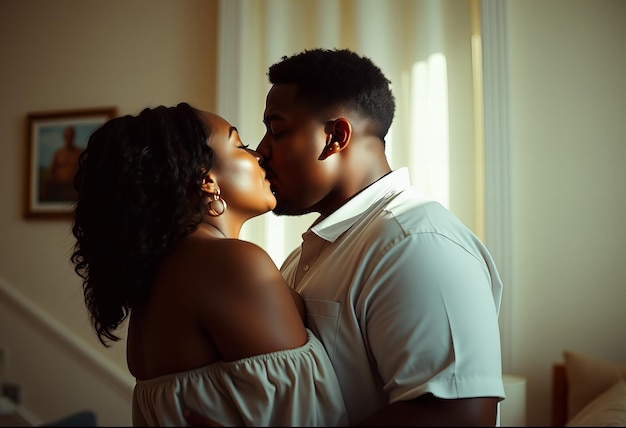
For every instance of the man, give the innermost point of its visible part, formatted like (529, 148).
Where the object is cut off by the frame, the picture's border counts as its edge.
(404, 297)
(63, 167)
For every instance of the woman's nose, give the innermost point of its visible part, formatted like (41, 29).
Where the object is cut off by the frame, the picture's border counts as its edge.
(258, 156)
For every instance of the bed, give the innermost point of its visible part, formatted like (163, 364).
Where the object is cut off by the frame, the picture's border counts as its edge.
(588, 391)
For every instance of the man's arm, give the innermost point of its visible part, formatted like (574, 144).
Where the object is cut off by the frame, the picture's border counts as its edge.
(434, 328)
(429, 410)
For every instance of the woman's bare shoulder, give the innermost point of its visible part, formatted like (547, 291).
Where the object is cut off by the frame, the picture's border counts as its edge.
(253, 311)
(227, 266)
(243, 259)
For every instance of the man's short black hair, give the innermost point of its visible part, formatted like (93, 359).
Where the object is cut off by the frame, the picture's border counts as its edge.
(339, 78)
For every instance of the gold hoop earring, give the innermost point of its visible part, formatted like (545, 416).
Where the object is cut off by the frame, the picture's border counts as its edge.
(218, 210)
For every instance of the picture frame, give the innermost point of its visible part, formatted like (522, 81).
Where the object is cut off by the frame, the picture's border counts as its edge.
(55, 140)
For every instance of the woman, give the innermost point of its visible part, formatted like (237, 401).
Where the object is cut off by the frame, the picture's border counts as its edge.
(212, 326)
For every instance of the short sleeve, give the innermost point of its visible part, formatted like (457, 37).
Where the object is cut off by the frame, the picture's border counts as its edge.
(432, 323)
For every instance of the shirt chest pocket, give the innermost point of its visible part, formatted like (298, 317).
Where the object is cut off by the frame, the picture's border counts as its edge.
(323, 320)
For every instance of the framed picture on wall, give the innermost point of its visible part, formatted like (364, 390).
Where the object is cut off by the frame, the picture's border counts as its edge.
(55, 141)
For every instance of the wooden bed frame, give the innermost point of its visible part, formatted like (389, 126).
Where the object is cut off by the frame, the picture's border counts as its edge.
(558, 410)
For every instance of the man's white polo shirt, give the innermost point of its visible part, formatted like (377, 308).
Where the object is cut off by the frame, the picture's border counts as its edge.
(404, 297)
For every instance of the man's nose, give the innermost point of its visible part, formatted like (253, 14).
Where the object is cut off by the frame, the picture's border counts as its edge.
(263, 149)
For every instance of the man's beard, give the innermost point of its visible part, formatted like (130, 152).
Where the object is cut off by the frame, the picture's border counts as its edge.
(281, 209)
(287, 210)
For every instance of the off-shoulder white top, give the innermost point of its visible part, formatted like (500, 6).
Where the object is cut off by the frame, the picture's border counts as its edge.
(295, 387)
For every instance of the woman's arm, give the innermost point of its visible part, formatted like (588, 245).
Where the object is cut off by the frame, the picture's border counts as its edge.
(299, 301)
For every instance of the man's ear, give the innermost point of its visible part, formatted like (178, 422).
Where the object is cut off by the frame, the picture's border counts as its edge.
(338, 136)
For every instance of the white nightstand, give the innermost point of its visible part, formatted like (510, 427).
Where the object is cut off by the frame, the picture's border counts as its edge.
(513, 407)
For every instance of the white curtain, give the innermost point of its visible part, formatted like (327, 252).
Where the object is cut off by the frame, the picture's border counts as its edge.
(427, 48)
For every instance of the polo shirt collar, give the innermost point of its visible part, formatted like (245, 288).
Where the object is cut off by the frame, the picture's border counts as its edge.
(348, 214)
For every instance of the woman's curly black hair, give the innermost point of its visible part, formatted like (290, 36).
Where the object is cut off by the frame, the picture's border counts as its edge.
(139, 191)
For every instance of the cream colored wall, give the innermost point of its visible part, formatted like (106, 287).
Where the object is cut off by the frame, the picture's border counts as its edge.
(68, 54)
(568, 134)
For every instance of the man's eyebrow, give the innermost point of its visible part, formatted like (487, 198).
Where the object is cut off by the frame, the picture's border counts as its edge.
(231, 129)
